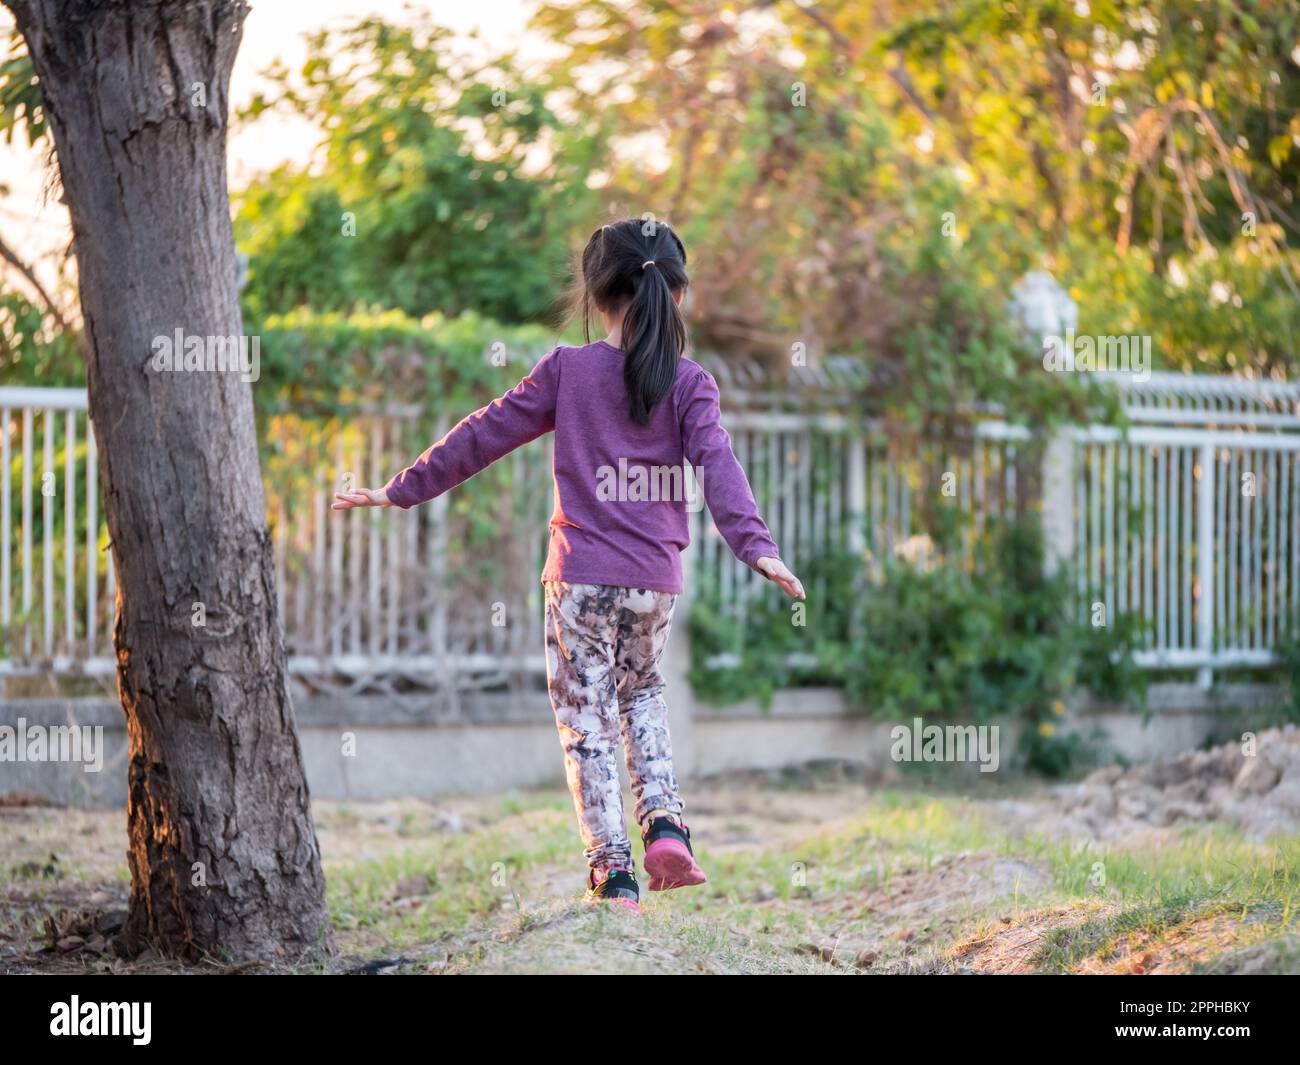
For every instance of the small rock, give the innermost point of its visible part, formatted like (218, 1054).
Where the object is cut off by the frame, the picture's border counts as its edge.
(1231, 759)
(1257, 777)
(1133, 807)
(1102, 804)
(1014, 876)
(1175, 812)
(1286, 796)
(825, 951)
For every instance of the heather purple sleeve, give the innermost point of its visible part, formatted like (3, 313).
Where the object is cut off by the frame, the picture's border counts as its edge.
(522, 414)
(726, 489)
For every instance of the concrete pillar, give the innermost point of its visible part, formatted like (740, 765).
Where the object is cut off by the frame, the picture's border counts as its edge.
(1058, 501)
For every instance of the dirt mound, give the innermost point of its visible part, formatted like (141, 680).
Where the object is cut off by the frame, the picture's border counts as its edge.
(1085, 938)
(1256, 788)
(1016, 944)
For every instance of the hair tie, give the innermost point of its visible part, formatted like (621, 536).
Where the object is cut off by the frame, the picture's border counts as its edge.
(648, 262)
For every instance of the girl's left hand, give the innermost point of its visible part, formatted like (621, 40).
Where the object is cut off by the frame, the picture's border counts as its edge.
(775, 571)
(361, 497)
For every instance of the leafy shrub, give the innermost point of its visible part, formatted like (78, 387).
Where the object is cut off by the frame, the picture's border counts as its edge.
(329, 362)
(992, 642)
(1107, 667)
(1288, 655)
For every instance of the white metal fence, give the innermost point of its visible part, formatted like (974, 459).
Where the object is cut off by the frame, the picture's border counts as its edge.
(56, 579)
(1195, 531)
(1189, 519)
(446, 594)
(827, 482)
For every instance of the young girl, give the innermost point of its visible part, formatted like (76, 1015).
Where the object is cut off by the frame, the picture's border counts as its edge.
(631, 402)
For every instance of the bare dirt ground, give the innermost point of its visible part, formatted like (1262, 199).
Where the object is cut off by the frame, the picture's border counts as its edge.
(1185, 866)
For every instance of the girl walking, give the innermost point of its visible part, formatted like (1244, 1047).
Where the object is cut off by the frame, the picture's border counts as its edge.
(627, 412)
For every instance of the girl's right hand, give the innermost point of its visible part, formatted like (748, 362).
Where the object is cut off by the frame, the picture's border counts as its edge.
(361, 497)
(775, 570)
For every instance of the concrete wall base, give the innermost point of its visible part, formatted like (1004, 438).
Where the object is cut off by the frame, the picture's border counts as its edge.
(375, 748)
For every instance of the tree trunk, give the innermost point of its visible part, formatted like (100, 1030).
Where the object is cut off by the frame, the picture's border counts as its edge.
(222, 849)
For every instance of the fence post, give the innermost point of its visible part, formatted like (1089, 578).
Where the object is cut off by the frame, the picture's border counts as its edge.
(1205, 565)
(857, 492)
(1058, 500)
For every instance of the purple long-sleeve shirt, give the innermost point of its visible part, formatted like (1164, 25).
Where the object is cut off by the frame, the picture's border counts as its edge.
(621, 499)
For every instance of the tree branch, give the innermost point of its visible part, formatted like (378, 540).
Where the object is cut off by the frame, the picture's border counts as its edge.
(9, 256)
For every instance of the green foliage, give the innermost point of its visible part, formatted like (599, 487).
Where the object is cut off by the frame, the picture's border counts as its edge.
(1145, 153)
(1160, 191)
(772, 630)
(335, 363)
(426, 200)
(21, 105)
(1106, 664)
(977, 645)
(31, 351)
(985, 643)
(1288, 653)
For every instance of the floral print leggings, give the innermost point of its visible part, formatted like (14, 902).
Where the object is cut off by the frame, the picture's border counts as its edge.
(603, 646)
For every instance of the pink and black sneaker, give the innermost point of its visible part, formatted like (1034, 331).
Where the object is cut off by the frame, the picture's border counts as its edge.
(614, 885)
(669, 859)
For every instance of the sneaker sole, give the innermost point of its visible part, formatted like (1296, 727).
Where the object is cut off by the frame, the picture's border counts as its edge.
(670, 865)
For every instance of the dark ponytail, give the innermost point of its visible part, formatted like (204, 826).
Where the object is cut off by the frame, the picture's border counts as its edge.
(638, 265)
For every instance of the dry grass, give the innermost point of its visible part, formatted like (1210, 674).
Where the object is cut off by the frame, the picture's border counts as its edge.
(809, 873)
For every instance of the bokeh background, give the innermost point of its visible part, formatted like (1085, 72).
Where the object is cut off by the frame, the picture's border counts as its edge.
(871, 195)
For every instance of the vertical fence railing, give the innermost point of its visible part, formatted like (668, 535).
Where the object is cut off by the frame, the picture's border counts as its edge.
(822, 479)
(828, 483)
(53, 557)
(429, 595)
(446, 594)
(1200, 543)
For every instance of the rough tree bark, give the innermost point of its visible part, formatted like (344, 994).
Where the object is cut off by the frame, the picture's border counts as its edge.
(222, 849)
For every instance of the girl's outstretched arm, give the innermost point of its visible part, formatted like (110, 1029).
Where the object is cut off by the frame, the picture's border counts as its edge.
(726, 488)
(522, 414)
